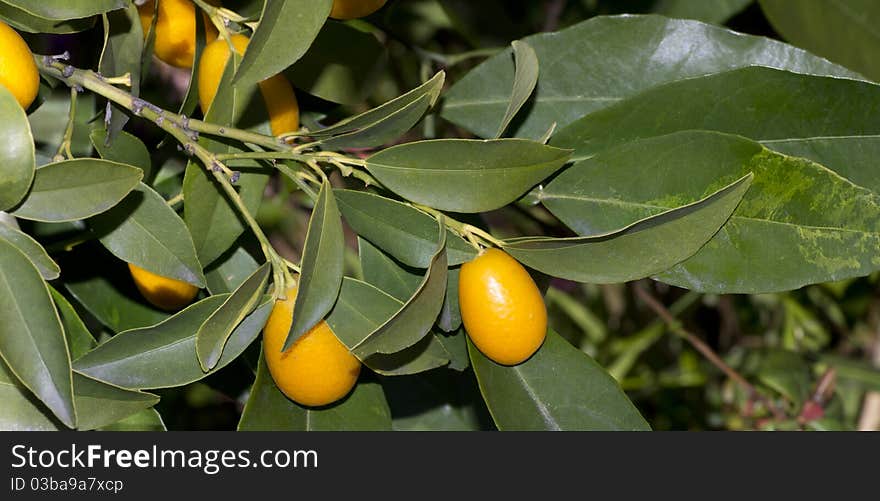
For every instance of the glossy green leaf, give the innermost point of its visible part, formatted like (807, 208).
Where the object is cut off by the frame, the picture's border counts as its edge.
(340, 65)
(79, 340)
(230, 270)
(21, 410)
(707, 11)
(17, 162)
(123, 148)
(382, 271)
(32, 250)
(322, 266)
(845, 32)
(414, 319)
(452, 174)
(383, 123)
(215, 331)
(164, 355)
(599, 62)
(32, 339)
(799, 223)
(286, 31)
(764, 104)
(267, 409)
(25, 21)
(67, 9)
(436, 401)
(71, 190)
(210, 216)
(525, 78)
(145, 231)
(360, 310)
(123, 46)
(115, 303)
(558, 388)
(787, 373)
(642, 249)
(145, 420)
(100, 404)
(406, 233)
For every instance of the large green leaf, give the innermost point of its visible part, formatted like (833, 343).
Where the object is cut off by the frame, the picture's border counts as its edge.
(453, 174)
(215, 331)
(286, 31)
(558, 388)
(641, 249)
(360, 310)
(799, 223)
(100, 404)
(322, 266)
(267, 409)
(708, 11)
(406, 233)
(17, 161)
(79, 340)
(524, 80)
(77, 189)
(67, 9)
(845, 32)
(123, 148)
(164, 355)
(603, 60)
(384, 123)
(764, 104)
(383, 272)
(32, 339)
(123, 46)
(230, 270)
(25, 21)
(32, 249)
(340, 65)
(21, 410)
(145, 231)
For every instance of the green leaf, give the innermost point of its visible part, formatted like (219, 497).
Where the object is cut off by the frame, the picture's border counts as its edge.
(25, 21)
(32, 250)
(799, 223)
(100, 404)
(845, 32)
(601, 61)
(145, 231)
(763, 104)
(77, 189)
(123, 148)
(856, 371)
(17, 161)
(524, 80)
(286, 31)
(437, 401)
(322, 266)
(267, 409)
(787, 373)
(386, 274)
(340, 65)
(384, 123)
(414, 319)
(230, 270)
(123, 46)
(455, 344)
(66, 9)
(21, 410)
(32, 339)
(644, 248)
(450, 314)
(558, 388)
(115, 304)
(145, 420)
(360, 310)
(215, 331)
(707, 11)
(164, 355)
(406, 233)
(452, 174)
(79, 339)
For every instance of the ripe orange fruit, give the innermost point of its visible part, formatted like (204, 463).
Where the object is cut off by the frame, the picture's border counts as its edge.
(277, 92)
(162, 292)
(18, 71)
(175, 41)
(501, 307)
(317, 369)
(351, 9)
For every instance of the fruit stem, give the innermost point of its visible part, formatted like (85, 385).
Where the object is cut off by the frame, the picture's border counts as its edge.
(64, 148)
(477, 237)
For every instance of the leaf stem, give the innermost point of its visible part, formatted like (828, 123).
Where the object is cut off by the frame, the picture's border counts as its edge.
(64, 148)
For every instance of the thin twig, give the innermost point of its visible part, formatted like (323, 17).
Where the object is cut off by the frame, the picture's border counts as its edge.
(705, 350)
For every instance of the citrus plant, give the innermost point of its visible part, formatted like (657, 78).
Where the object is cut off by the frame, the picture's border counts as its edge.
(371, 215)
